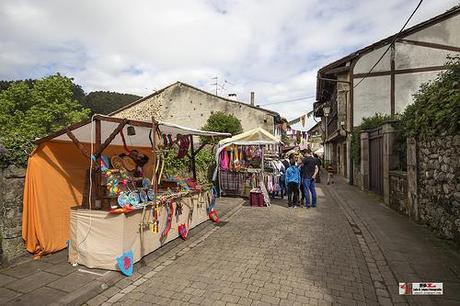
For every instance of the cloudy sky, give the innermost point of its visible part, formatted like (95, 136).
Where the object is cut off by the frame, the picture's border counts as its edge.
(272, 47)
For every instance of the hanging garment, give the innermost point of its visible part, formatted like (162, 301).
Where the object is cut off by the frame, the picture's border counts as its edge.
(223, 160)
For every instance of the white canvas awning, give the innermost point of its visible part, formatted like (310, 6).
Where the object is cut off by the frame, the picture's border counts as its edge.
(257, 136)
(85, 131)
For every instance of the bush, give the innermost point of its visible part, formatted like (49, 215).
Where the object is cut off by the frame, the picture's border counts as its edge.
(435, 110)
(221, 122)
(367, 124)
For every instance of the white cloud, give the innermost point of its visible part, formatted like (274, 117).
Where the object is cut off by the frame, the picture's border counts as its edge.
(271, 47)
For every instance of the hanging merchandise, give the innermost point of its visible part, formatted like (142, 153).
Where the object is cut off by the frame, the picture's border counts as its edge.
(182, 229)
(170, 211)
(126, 263)
(224, 160)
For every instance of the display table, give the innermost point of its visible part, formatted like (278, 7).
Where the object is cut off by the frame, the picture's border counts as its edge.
(97, 238)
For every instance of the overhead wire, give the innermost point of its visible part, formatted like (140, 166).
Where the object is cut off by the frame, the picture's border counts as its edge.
(390, 45)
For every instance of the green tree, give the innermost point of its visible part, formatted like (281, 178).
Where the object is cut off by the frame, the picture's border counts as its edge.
(436, 106)
(105, 102)
(222, 122)
(32, 111)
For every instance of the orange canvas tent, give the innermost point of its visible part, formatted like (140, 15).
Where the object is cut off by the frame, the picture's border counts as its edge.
(57, 173)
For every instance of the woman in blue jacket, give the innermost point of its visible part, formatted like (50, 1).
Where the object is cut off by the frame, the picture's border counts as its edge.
(292, 181)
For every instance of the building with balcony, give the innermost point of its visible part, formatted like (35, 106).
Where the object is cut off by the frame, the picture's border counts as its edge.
(381, 78)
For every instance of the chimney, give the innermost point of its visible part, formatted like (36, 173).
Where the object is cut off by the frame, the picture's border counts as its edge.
(252, 98)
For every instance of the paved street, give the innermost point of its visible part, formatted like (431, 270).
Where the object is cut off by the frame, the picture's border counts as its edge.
(282, 256)
(350, 250)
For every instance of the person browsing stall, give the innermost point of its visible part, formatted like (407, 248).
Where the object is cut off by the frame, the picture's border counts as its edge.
(292, 182)
(309, 173)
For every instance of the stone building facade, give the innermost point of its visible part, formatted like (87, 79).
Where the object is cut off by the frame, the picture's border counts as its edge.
(189, 106)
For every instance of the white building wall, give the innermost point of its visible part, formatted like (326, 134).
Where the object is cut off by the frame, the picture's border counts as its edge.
(373, 94)
(408, 84)
(370, 97)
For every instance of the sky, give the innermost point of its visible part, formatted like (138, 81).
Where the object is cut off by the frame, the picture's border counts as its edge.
(271, 47)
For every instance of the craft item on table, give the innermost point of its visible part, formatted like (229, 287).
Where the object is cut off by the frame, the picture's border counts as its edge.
(193, 184)
(121, 210)
(170, 211)
(183, 231)
(151, 194)
(126, 263)
(128, 163)
(258, 153)
(146, 182)
(223, 160)
(106, 161)
(134, 199)
(123, 199)
(117, 162)
(143, 196)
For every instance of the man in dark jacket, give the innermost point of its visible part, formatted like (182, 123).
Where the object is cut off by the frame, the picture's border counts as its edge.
(309, 172)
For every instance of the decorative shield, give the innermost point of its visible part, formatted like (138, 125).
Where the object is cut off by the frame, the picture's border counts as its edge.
(126, 263)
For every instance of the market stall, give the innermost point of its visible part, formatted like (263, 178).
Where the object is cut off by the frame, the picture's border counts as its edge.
(99, 188)
(247, 163)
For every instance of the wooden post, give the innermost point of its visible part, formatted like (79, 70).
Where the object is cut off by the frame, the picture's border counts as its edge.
(97, 188)
(192, 157)
(154, 157)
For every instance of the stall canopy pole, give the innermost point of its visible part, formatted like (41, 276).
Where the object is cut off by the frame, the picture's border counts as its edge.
(154, 156)
(98, 175)
(192, 159)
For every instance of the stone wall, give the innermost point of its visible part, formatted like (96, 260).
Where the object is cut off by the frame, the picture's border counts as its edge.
(438, 181)
(398, 191)
(11, 195)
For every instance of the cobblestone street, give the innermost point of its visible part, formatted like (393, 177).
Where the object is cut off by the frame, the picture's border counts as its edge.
(276, 255)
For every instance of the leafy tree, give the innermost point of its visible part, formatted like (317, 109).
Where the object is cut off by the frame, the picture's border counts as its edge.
(435, 110)
(222, 122)
(31, 111)
(105, 102)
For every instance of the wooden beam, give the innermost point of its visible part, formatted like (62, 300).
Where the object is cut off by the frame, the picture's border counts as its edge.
(200, 148)
(392, 79)
(63, 131)
(110, 138)
(192, 154)
(129, 121)
(79, 145)
(429, 45)
(399, 71)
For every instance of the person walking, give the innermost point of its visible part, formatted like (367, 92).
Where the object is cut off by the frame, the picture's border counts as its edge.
(292, 184)
(309, 173)
(330, 173)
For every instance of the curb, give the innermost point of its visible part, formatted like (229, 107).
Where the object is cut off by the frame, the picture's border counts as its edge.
(378, 267)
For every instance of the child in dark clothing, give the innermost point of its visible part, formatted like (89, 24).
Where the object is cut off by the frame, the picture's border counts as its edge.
(292, 182)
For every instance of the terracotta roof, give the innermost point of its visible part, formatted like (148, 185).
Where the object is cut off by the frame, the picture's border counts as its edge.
(273, 113)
